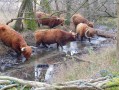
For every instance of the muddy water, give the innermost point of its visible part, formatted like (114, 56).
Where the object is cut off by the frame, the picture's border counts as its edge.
(42, 65)
(71, 49)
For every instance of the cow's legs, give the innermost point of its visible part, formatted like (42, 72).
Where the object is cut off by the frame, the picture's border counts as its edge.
(44, 45)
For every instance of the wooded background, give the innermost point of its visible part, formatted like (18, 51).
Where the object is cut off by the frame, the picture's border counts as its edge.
(91, 9)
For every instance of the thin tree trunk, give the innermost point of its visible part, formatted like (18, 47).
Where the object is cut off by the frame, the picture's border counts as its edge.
(29, 13)
(45, 6)
(34, 5)
(57, 7)
(88, 10)
(94, 13)
(68, 14)
(20, 14)
(118, 30)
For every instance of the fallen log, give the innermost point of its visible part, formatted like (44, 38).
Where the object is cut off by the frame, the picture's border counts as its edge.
(105, 34)
(25, 82)
(4, 82)
(70, 88)
(96, 84)
(98, 79)
(9, 86)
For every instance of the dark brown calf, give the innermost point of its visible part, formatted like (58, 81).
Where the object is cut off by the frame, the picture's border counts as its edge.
(46, 19)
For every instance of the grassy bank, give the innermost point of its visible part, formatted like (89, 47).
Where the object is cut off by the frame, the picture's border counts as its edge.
(102, 63)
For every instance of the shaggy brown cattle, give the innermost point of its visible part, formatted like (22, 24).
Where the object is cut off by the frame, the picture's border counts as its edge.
(51, 36)
(46, 19)
(84, 30)
(77, 18)
(14, 40)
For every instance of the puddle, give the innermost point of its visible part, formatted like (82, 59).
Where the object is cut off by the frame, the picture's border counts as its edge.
(98, 41)
(78, 47)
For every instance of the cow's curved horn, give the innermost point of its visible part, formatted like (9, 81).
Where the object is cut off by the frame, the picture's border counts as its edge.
(58, 18)
(86, 33)
(23, 49)
(70, 30)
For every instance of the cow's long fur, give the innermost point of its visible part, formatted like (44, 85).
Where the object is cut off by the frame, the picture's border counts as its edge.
(83, 30)
(13, 39)
(46, 19)
(51, 36)
(78, 18)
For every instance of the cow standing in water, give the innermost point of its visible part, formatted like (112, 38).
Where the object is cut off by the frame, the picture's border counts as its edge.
(83, 30)
(51, 36)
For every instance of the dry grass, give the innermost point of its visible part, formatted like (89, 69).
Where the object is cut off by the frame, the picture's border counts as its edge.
(105, 59)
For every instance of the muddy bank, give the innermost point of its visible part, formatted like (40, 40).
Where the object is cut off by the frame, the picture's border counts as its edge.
(27, 69)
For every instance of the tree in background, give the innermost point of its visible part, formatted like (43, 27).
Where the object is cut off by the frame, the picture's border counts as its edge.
(26, 11)
(57, 7)
(68, 9)
(45, 6)
(29, 13)
(18, 23)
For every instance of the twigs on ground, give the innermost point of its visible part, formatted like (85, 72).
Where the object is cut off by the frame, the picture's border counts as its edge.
(25, 82)
(79, 59)
(9, 86)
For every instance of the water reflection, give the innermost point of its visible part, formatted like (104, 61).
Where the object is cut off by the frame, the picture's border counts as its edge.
(49, 74)
(44, 73)
(71, 48)
(78, 46)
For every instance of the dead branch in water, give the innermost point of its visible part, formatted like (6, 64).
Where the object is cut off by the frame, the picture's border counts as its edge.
(105, 34)
(79, 59)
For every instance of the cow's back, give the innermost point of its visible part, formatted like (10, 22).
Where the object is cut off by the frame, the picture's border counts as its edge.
(10, 37)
